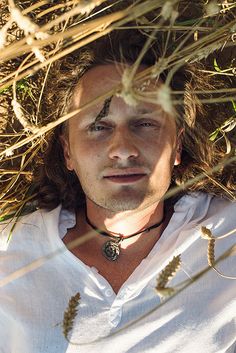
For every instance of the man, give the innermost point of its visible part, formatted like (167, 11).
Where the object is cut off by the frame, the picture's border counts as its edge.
(122, 158)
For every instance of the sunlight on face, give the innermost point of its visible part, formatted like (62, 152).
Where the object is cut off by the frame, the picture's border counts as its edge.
(125, 160)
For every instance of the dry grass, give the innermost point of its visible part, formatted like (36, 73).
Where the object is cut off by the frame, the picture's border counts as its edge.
(34, 35)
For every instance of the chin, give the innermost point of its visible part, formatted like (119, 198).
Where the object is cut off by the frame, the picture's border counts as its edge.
(121, 206)
(123, 203)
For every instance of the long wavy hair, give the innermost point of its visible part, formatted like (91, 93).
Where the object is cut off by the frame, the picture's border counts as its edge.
(55, 184)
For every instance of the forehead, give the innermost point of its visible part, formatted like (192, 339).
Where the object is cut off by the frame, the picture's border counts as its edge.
(101, 79)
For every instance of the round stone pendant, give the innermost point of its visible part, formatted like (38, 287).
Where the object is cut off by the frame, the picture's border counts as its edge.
(111, 250)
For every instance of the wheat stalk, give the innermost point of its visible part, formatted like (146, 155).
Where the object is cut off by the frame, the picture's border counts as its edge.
(166, 275)
(207, 234)
(70, 314)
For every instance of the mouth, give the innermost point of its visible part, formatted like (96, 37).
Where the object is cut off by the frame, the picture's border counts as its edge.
(125, 178)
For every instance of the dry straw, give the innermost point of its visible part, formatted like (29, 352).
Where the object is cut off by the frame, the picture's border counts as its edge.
(35, 35)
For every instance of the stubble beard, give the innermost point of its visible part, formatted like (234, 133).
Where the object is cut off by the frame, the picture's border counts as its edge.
(124, 200)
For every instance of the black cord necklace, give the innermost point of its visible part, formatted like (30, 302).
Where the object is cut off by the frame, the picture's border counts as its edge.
(111, 249)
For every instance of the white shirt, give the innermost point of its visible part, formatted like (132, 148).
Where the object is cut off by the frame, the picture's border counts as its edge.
(200, 318)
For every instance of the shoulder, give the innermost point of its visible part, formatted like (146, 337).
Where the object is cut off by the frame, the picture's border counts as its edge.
(212, 205)
(219, 204)
(200, 208)
(222, 211)
(219, 218)
(19, 228)
(198, 212)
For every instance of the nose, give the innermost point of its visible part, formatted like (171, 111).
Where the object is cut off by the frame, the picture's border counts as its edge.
(122, 145)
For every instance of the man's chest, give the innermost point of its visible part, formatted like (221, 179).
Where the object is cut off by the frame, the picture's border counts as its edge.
(115, 272)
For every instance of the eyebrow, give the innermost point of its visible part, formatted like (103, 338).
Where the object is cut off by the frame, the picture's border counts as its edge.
(143, 111)
(105, 110)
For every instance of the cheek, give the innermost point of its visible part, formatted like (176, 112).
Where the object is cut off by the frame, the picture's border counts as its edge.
(85, 160)
(160, 150)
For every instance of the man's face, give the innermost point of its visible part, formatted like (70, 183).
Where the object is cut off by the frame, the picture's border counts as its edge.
(126, 159)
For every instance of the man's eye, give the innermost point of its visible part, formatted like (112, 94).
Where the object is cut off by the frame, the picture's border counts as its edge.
(97, 127)
(146, 124)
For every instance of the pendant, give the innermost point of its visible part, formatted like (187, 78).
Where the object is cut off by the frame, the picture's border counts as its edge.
(111, 250)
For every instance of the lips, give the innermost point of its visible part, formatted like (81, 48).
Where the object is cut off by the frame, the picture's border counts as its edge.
(125, 176)
(125, 179)
(124, 172)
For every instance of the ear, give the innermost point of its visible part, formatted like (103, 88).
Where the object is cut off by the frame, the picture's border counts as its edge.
(66, 151)
(179, 147)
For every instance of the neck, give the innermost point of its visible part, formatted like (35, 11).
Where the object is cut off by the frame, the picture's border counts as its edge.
(125, 222)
